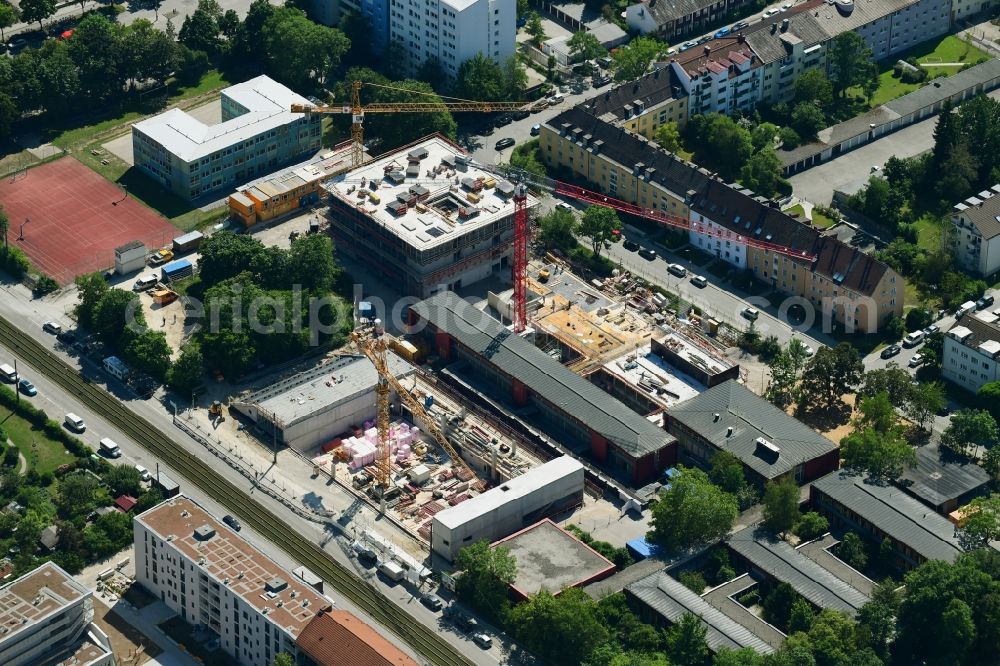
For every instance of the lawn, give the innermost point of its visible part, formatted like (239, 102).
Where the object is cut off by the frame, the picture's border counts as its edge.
(929, 230)
(43, 454)
(949, 49)
(818, 219)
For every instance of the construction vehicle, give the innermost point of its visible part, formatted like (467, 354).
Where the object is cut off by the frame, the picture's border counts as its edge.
(215, 411)
(544, 275)
(161, 256)
(371, 340)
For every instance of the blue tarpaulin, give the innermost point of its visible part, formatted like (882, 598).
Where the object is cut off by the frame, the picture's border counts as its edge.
(640, 549)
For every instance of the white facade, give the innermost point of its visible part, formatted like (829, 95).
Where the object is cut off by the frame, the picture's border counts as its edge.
(46, 614)
(210, 576)
(702, 235)
(968, 361)
(963, 9)
(452, 31)
(976, 240)
(509, 507)
(724, 86)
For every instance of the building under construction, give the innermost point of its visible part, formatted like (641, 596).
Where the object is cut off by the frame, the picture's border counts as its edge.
(424, 218)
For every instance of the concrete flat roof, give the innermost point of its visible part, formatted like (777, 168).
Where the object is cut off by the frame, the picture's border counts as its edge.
(550, 558)
(518, 487)
(32, 599)
(435, 219)
(268, 105)
(300, 396)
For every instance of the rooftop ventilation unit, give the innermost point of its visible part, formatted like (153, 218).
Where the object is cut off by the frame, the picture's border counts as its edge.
(275, 585)
(766, 448)
(204, 533)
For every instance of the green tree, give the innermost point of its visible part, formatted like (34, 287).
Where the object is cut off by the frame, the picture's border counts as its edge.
(829, 374)
(599, 224)
(980, 522)
(807, 120)
(744, 657)
(301, 53)
(917, 318)
(283, 659)
(883, 455)
(777, 605)
(117, 314)
(200, 32)
(811, 526)
(692, 511)
(813, 86)
(358, 29)
(693, 580)
(583, 45)
(123, 480)
(37, 10)
(147, 53)
(721, 143)
(149, 352)
(77, 494)
(480, 78)
(90, 289)
(9, 113)
(557, 229)
(891, 380)
(925, 400)
(148, 500)
(97, 49)
(853, 551)
(535, 28)
(187, 372)
(763, 173)
(781, 505)
(970, 428)
(800, 616)
(631, 61)
(849, 59)
(876, 412)
(877, 618)
(789, 138)
(988, 397)
(486, 574)
(224, 255)
(958, 173)
(312, 263)
(561, 630)
(763, 136)
(8, 17)
(991, 461)
(958, 631)
(727, 472)
(668, 136)
(947, 135)
(686, 642)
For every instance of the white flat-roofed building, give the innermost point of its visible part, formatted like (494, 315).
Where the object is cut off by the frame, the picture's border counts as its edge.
(508, 508)
(212, 577)
(424, 219)
(977, 232)
(46, 617)
(452, 31)
(971, 354)
(257, 135)
(318, 404)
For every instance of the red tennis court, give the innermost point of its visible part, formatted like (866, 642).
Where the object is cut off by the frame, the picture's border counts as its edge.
(75, 219)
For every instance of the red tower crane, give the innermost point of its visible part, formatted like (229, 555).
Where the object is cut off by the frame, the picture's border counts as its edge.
(520, 266)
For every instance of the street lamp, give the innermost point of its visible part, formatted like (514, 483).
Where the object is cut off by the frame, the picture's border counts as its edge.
(174, 405)
(20, 235)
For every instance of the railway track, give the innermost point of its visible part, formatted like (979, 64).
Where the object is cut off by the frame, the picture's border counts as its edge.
(253, 513)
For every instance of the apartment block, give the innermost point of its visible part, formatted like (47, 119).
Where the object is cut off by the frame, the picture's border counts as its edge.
(641, 106)
(330, 12)
(46, 617)
(257, 135)
(720, 81)
(210, 576)
(452, 31)
(668, 19)
(976, 239)
(962, 10)
(971, 354)
(822, 273)
(425, 218)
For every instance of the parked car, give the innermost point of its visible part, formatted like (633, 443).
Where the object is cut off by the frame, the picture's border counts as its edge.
(482, 640)
(891, 351)
(677, 269)
(143, 473)
(722, 32)
(771, 12)
(916, 361)
(562, 205)
(601, 81)
(984, 302)
(505, 142)
(647, 254)
(699, 281)
(931, 330)
(739, 25)
(630, 245)
(688, 45)
(27, 388)
(750, 313)
(557, 98)
(785, 7)
(505, 119)
(520, 115)
(808, 350)
(536, 130)
(232, 522)
(965, 309)
(432, 601)
(52, 327)
(604, 62)
(913, 339)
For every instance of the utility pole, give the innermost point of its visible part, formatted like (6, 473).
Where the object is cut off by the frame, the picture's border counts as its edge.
(17, 389)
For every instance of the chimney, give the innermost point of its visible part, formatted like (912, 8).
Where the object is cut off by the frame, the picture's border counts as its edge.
(774, 28)
(784, 25)
(729, 431)
(715, 417)
(740, 38)
(708, 50)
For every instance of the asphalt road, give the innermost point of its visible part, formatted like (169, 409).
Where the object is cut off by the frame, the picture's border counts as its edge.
(17, 307)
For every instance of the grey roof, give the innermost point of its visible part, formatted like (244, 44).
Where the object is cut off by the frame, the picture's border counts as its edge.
(543, 375)
(750, 417)
(941, 89)
(49, 537)
(651, 89)
(895, 513)
(308, 393)
(786, 564)
(131, 245)
(605, 32)
(983, 211)
(835, 134)
(942, 476)
(672, 600)
(769, 46)
(664, 11)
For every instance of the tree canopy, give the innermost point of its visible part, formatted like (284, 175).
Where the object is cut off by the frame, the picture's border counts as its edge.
(562, 630)
(486, 574)
(970, 428)
(583, 45)
(557, 230)
(829, 374)
(631, 61)
(599, 224)
(692, 511)
(781, 505)
(851, 64)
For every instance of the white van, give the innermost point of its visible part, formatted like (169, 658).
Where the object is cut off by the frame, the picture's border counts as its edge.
(7, 372)
(391, 570)
(74, 422)
(145, 282)
(109, 448)
(913, 339)
(143, 472)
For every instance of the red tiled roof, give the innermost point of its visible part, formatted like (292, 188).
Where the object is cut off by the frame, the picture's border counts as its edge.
(337, 638)
(126, 503)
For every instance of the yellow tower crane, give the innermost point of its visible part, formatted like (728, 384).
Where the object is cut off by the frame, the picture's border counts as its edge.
(371, 341)
(357, 111)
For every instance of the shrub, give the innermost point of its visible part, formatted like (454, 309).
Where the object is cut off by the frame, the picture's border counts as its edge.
(44, 285)
(15, 262)
(789, 138)
(10, 457)
(693, 580)
(811, 526)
